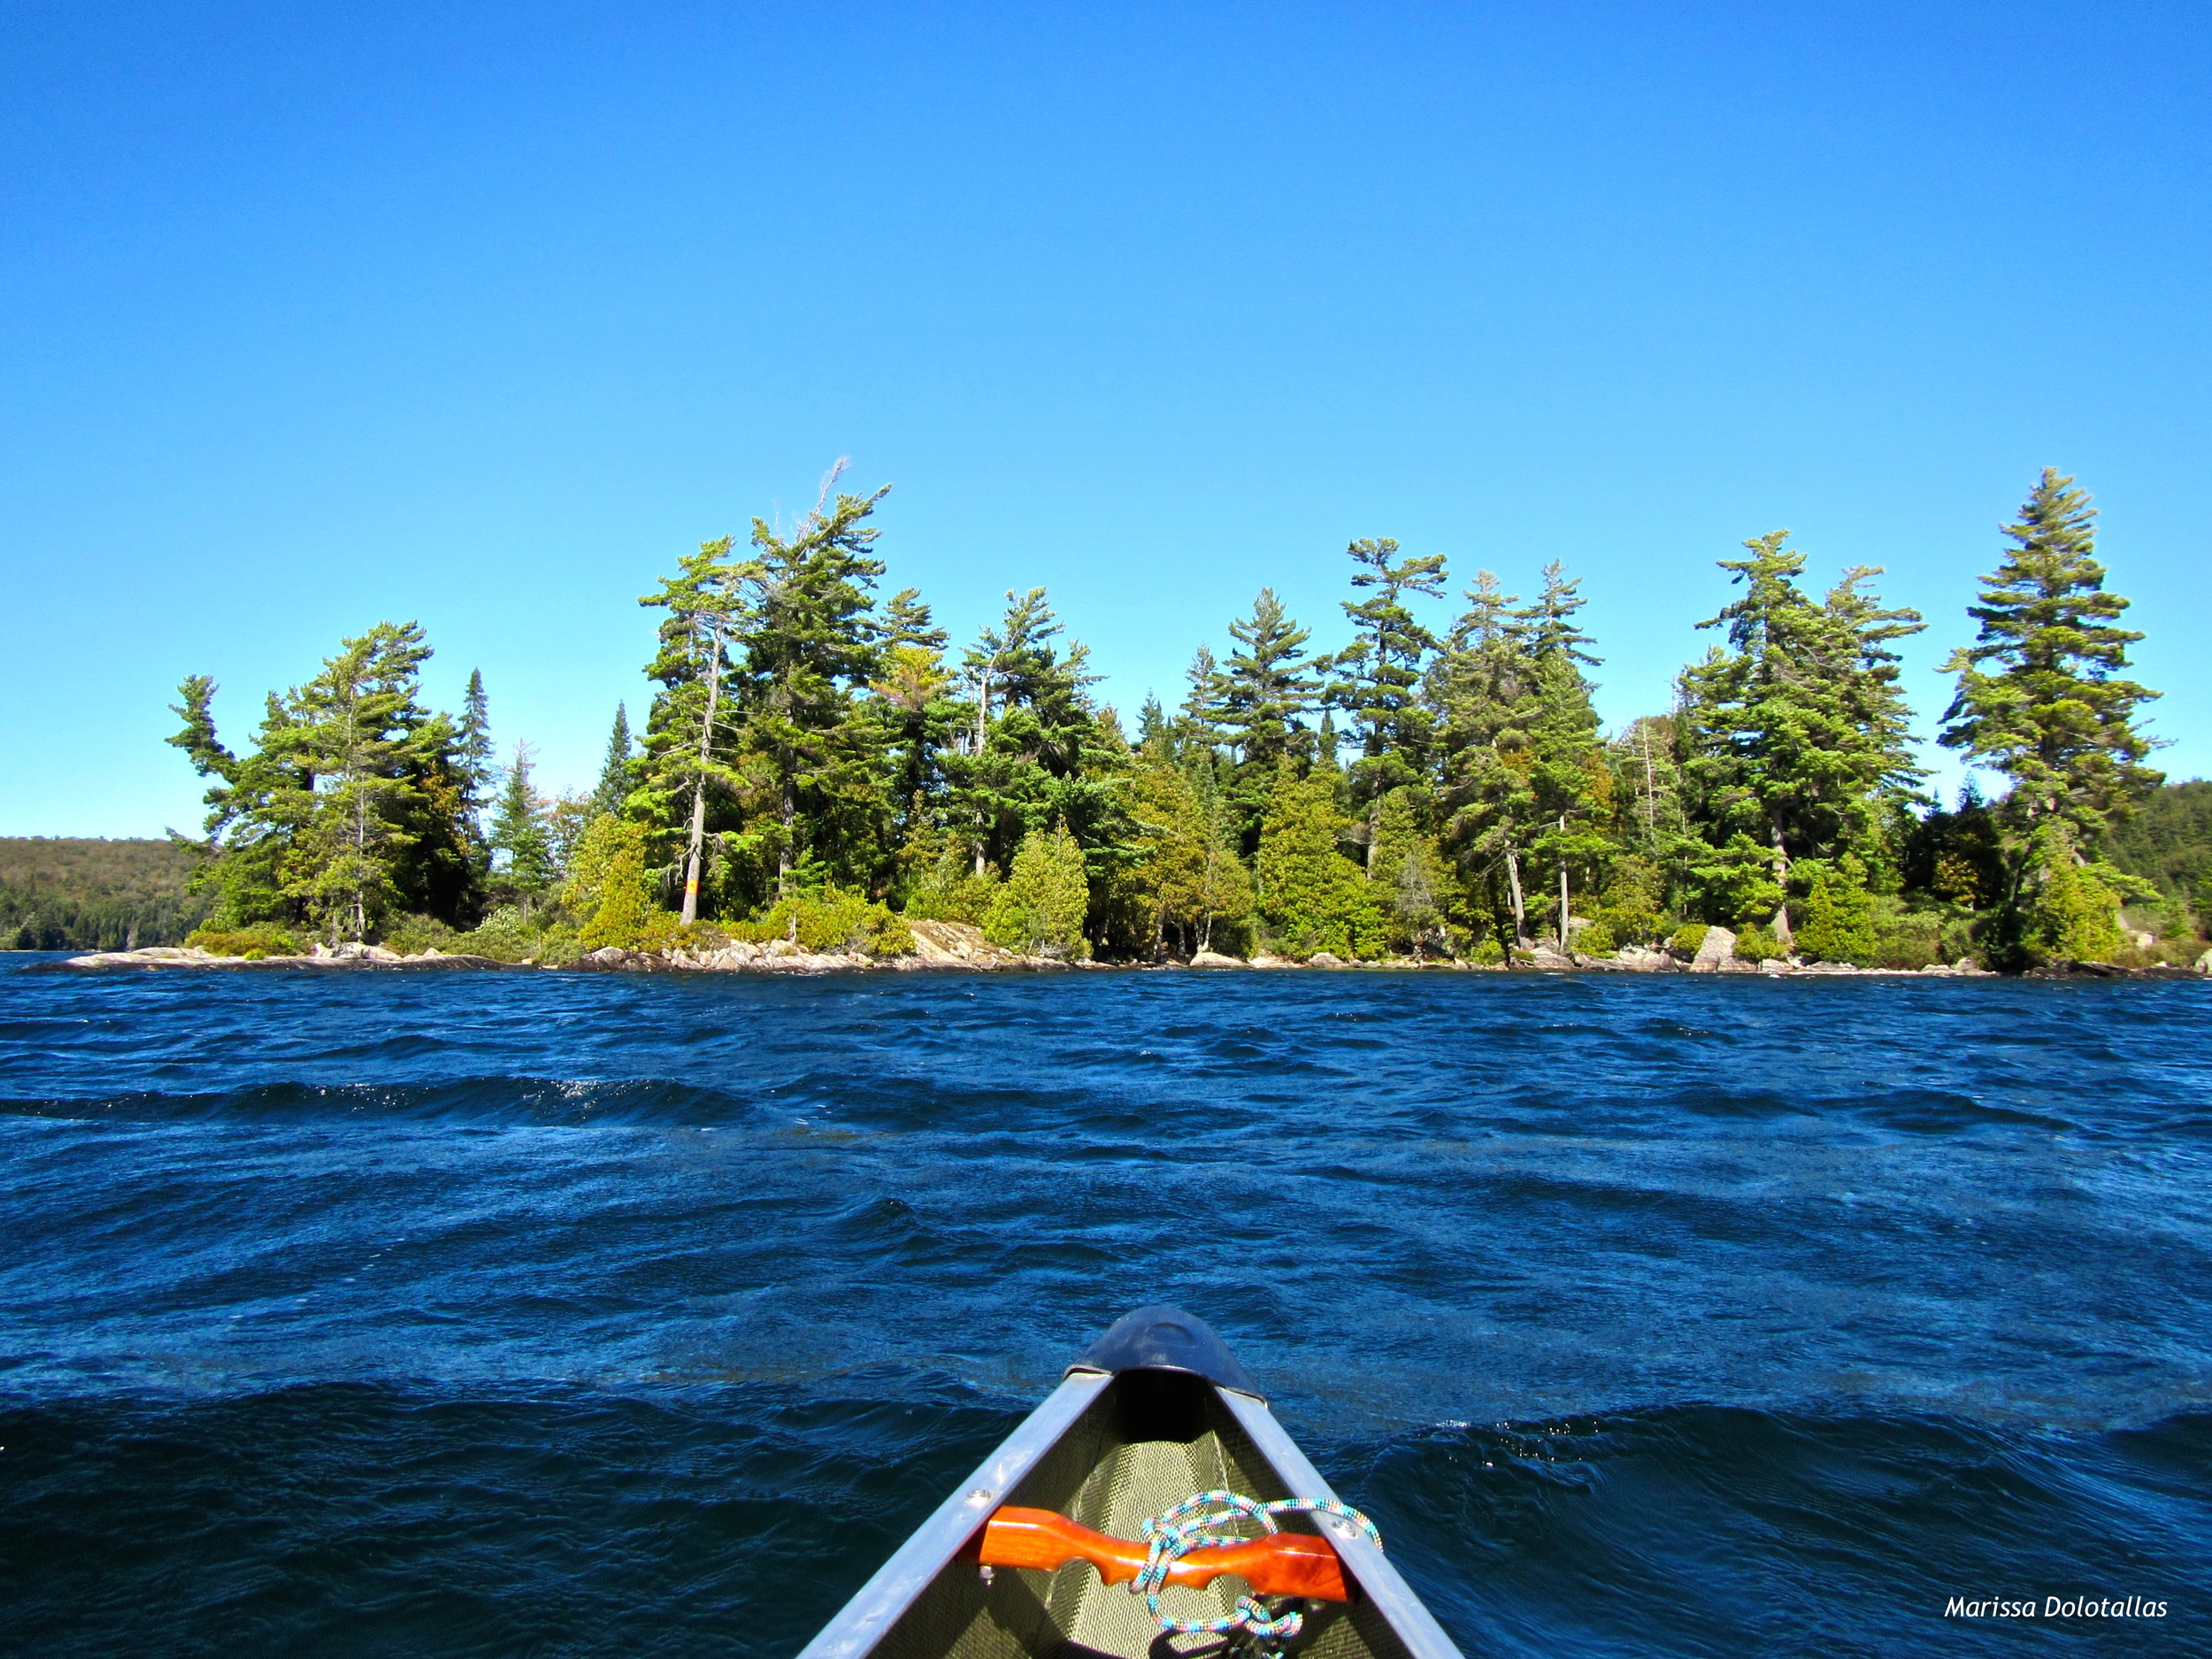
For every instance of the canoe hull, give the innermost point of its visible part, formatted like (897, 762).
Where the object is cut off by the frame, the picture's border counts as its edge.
(1107, 1450)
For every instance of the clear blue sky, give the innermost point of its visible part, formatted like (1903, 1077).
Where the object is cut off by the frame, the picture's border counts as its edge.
(319, 314)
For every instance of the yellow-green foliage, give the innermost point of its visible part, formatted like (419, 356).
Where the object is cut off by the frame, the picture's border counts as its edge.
(411, 935)
(952, 892)
(1629, 909)
(830, 920)
(607, 886)
(1039, 909)
(254, 943)
(1688, 937)
(1312, 897)
(1758, 944)
(2073, 915)
(1839, 920)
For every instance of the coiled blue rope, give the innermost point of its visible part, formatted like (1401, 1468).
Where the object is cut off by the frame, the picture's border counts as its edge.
(1195, 1523)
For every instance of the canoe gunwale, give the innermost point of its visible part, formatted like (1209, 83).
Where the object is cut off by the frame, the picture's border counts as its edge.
(1379, 1581)
(869, 1616)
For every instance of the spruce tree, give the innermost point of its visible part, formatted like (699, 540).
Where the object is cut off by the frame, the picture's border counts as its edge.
(613, 788)
(2040, 696)
(520, 833)
(472, 749)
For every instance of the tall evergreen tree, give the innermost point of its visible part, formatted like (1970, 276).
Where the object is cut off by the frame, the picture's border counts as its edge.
(472, 749)
(1482, 688)
(811, 646)
(2041, 695)
(520, 833)
(1313, 898)
(1267, 695)
(350, 805)
(1380, 674)
(689, 731)
(613, 788)
(1037, 751)
(1795, 737)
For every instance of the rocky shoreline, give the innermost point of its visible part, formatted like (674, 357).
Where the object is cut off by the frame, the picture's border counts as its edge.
(953, 946)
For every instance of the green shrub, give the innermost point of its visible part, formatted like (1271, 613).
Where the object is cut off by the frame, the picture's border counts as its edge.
(1040, 910)
(1599, 939)
(504, 936)
(607, 886)
(955, 896)
(1838, 915)
(1688, 937)
(830, 920)
(1629, 909)
(254, 943)
(558, 946)
(1912, 938)
(411, 935)
(1756, 943)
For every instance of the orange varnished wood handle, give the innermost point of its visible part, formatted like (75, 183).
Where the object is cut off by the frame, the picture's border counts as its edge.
(1281, 1564)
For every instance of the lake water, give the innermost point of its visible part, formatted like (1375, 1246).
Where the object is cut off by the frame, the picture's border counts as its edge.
(556, 1314)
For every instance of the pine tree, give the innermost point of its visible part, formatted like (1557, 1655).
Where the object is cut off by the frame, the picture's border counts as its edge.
(1036, 751)
(1380, 674)
(1482, 687)
(351, 803)
(2040, 698)
(917, 704)
(1265, 699)
(1570, 783)
(688, 734)
(1795, 738)
(1265, 696)
(811, 645)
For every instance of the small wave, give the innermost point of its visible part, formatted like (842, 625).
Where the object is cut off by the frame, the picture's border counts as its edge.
(479, 1099)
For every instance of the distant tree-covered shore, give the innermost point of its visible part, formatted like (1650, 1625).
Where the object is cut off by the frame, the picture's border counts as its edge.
(61, 893)
(820, 757)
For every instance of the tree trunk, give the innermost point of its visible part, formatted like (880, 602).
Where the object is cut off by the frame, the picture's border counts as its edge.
(1651, 791)
(783, 853)
(1564, 916)
(1520, 906)
(1782, 934)
(699, 787)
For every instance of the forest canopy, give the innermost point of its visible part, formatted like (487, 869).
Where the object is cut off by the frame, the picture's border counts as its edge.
(819, 755)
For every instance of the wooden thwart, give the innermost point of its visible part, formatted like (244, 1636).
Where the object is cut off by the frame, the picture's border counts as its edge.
(1281, 1564)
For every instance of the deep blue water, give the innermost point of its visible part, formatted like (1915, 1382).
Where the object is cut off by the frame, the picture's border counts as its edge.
(526, 1313)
